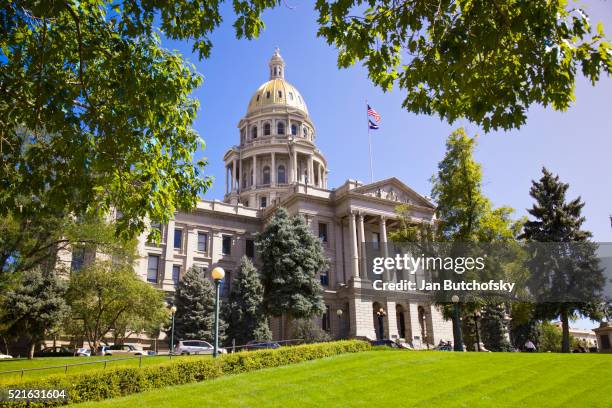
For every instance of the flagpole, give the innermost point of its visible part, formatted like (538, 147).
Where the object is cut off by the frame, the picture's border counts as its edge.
(369, 143)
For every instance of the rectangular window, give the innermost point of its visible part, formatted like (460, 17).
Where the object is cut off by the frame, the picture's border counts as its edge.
(226, 284)
(323, 232)
(178, 238)
(152, 268)
(263, 202)
(605, 341)
(325, 320)
(324, 278)
(376, 240)
(226, 247)
(176, 274)
(250, 248)
(202, 241)
(78, 258)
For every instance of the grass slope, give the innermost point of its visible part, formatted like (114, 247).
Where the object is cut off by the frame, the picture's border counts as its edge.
(402, 378)
(39, 362)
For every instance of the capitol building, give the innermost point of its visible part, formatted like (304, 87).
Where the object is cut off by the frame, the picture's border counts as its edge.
(276, 163)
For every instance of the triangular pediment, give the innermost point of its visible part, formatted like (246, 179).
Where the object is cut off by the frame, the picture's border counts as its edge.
(393, 189)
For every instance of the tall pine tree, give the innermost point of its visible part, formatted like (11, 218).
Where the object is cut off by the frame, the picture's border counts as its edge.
(244, 312)
(574, 267)
(291, 258)
(195, 308)
(34, 308)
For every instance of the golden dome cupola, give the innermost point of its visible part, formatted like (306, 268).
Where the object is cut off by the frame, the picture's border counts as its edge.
(277, 94)
(277, 152)
(277, 66)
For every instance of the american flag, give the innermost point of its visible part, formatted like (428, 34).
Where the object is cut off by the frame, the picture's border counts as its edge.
(373, 113)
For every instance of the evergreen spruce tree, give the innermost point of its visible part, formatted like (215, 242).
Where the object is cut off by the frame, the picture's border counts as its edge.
(291, 258)
(493, 329)
(244, 312)
(34, 308)
(195, 309)
(574, 268)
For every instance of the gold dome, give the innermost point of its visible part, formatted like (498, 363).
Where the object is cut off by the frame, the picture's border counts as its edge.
(277, 93)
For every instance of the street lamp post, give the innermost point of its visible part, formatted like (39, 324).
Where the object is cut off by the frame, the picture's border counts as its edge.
(173, 311)
(339, 314)
(476, 317)
(217, 274)
(458, 346)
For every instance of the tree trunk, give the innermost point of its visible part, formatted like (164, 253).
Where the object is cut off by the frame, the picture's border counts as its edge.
(31, 350)
(565, 344)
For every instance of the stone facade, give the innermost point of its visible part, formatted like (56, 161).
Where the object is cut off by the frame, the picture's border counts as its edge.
(277, 163)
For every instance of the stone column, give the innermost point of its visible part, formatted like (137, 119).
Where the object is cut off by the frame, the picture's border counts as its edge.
(233, 175)
(296, 176)
(226, 180)
(254, 171)
(166, 273)
(310, 171)
(320, 175)
(414, 329)
(362, 255)
(273, 171)
(353, 246)
(392, 330)
(191, 246)
(383, 244)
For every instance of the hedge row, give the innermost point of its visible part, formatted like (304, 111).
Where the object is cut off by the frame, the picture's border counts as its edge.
(118, 382)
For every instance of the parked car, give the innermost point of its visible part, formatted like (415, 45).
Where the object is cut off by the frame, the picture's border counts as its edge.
(261, 345)
(57, 351)
(125, 349)
(104, 351)
(83, 352)
(5, 356)
(185, 347)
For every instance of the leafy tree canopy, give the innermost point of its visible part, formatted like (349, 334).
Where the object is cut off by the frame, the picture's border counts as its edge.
(96, 113)
(105, 294)
(484, 60)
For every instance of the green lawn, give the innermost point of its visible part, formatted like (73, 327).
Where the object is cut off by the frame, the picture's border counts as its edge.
(18, 364)
(401, 379)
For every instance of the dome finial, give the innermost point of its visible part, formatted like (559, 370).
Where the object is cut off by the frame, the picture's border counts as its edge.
(277, 65)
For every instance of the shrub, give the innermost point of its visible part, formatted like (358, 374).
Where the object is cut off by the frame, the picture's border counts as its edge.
(124, 381)
(308, 331)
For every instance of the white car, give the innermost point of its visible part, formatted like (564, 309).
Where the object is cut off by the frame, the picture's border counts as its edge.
(124, 349)
(83, 352)
(185, 347)
(5, 356)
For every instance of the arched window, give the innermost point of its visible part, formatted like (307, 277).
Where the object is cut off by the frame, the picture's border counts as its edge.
(291, 96)
(254, 132)
(281, 179)
(266, 175)
(280, 94)
(305, 131)
(293, 130)
(268, 94)
(280, 128)
(266, 129)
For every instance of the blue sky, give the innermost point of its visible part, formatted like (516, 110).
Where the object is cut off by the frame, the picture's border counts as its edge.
(576, 144)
